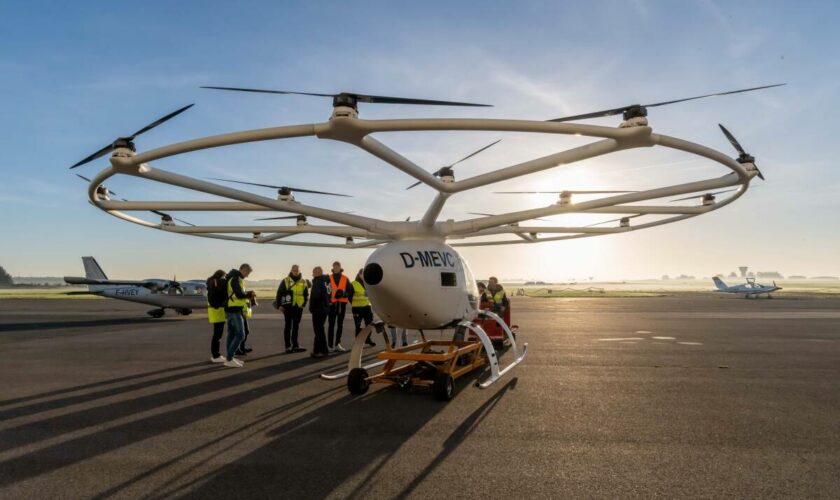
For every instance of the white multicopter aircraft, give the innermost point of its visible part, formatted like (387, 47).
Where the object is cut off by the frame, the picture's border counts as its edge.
(749, 289)
(182, 296)
(442, 291)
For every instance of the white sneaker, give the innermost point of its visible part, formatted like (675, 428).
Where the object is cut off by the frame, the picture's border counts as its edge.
(232, 364)
(239, 362)
(340, 348)
(220, 359)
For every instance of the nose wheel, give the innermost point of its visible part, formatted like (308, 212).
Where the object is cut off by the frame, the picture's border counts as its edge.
(156, 313)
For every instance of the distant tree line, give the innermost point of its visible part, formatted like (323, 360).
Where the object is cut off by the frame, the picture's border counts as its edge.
(5, 278)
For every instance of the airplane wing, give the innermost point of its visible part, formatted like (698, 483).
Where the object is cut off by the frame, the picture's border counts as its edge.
(72, 280)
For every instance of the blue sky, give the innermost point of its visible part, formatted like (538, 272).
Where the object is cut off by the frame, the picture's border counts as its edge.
(73, 76)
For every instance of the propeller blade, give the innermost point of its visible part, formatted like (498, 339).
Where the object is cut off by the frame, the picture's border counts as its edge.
(732, 140)
(704, 194)
(618, 111)
(159, 121)
(714, 95)
(82, 177)
(293, 189)
(438, 171)
(107, 149)
(284, 217)
(264, 91)
(99, 154)
(614, 220)
(475, 152)
(163, 214)
(380, 99)
(373, 99)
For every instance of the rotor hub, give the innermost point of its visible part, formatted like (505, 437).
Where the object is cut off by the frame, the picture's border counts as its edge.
(635, 111)
(343, 99)
(708, 199)
(166, 220)
(624, 222)
(124, 142)
(285, 194)
(301, 220)
(446, 174)
(745, 158)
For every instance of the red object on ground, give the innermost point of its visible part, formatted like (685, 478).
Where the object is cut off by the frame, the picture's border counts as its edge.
(489, 325)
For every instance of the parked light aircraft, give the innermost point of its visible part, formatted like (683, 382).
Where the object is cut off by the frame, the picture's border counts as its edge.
(749, 289)
(182, 297)
(443, 292)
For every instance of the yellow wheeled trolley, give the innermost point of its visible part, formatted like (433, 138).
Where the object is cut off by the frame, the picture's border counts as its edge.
(435, 364)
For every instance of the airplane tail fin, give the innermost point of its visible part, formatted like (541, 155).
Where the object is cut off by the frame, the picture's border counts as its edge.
(720, 284)
(92, 269)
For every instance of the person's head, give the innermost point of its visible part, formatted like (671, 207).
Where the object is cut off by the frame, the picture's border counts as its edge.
(295, 270)
(481, 286)
(337, 267)
(360, 276)
(493, 281)
(317, 271)
(245, 270)
(218, 275)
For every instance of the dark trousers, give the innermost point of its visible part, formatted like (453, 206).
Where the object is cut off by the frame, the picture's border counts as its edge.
(218, 331)
(247, 332)
(320, 345)
(337, 310)
(362, 314)
(292, 316)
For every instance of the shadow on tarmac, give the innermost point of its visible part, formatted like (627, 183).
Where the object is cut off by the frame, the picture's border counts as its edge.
(52, 457)
(64, 324)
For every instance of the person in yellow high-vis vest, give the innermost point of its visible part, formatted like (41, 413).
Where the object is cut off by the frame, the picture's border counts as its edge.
(292, 296)
(360, 304)
(238, 299)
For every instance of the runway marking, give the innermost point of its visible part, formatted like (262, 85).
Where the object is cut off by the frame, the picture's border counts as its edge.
(690, 343)
(664, 338)
(619, 339)
(643, 332)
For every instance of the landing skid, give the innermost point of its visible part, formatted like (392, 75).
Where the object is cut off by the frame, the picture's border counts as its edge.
(435, 364)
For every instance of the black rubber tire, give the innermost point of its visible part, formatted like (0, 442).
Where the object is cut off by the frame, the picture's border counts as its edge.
(443, 387)
(357, 382)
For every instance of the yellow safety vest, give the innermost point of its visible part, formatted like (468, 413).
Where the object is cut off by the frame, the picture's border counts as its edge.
(215, 314)
(233, 300)
(247, 312)
(499, 296)
(297, 288)
(360, 298)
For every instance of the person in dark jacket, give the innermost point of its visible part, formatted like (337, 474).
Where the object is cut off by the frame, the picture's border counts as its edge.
(319, 306)
(292, 296)
(341, 293)
(216, 313)
(238, 298)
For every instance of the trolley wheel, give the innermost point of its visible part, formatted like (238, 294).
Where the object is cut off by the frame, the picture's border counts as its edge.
(443, 387)
(357, 382)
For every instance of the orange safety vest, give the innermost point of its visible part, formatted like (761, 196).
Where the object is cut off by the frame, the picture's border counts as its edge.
(342, 285)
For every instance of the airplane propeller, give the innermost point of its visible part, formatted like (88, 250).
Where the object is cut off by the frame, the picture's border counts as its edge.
(636, 110)
(448, 168)
(158, 212)
(743, 156)
(284, 190)
(705, 195)
(351, 98)
(128, 141)
(614, 220)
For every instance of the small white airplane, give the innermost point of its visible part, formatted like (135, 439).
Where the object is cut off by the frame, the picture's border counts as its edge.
(749, 289)
(182, 297)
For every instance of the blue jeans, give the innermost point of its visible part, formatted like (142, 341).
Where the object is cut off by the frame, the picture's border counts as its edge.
(236, 333)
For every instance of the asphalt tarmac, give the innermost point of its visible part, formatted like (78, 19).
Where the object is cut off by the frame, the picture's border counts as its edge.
(692, 395)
